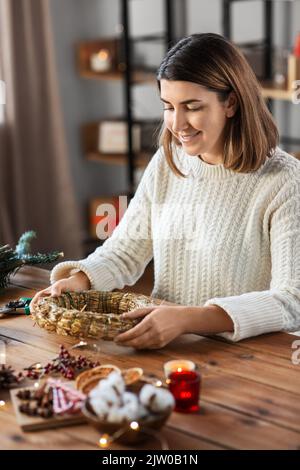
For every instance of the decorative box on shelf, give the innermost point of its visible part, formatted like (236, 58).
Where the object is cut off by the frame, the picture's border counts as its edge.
(113, 149)
(113, 138)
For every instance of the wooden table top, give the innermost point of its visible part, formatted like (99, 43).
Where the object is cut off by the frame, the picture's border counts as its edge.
(250, 395)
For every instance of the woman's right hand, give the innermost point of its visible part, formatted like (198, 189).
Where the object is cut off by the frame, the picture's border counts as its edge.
(76, 283)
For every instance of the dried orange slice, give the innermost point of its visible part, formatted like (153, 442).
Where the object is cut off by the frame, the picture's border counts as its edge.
(132, 375)
(90, 378)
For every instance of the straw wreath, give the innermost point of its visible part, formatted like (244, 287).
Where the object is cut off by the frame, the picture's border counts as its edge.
(89, 314)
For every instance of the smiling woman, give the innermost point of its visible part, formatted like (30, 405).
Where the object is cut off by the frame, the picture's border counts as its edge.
(227, 258)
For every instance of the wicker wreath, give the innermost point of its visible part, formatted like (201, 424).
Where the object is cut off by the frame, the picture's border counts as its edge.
(89, 314)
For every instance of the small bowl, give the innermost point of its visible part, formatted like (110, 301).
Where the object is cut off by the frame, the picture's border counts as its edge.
(147, 426)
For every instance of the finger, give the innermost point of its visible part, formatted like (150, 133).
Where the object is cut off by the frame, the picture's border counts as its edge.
(133, 333)
(145, 341)
(138, 312)
(56, 290)
(37, 296)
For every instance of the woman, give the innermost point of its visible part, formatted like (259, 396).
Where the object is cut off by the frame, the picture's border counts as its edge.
(218, 208)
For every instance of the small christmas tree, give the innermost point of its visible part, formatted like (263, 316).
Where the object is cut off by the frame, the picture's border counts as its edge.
(12, 260)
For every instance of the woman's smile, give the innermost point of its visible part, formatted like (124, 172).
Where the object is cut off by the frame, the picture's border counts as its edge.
(189, 138)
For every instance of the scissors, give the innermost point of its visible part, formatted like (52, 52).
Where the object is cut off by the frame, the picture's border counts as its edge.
(11, 308)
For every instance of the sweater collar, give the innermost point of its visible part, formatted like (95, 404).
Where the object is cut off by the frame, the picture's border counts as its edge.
(194, 167)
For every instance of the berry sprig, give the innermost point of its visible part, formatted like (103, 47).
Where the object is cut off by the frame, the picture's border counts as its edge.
(65, 364)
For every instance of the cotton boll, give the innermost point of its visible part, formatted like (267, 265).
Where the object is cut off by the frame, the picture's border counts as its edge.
(115, 379)
(116, 415)
(130, 411)
(102, 384)
(142, 412)
(147, 393)
(99, 406)
(109, 393)
(129, 397)
(156, 399)
(95, 392)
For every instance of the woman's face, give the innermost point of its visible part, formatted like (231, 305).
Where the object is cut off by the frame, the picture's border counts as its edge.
(196, 117)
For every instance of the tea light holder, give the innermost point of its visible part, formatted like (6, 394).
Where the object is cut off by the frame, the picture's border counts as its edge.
(178, 365)
(185, 388)
(101, 61)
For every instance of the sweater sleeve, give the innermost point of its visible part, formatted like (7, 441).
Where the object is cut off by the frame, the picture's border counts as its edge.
(278, 308)
(123, 257)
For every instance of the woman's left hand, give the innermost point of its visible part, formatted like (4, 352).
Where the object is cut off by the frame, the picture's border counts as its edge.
(161, 324)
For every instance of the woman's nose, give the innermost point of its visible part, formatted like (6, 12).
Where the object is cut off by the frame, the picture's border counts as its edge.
(179, 122)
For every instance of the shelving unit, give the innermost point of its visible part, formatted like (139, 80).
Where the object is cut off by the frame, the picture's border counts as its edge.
(270, 90)
(131, 76)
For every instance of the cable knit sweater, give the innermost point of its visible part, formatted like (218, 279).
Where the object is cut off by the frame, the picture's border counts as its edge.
(217, 237)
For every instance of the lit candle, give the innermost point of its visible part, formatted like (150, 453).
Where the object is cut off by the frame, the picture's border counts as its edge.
(101, 61)
(178, 365)
(185, 388)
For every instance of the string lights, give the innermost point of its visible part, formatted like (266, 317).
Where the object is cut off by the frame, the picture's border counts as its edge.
(107, 439)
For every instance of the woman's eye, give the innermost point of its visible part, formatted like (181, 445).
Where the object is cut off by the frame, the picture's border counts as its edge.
(168, 109)
(195, 109)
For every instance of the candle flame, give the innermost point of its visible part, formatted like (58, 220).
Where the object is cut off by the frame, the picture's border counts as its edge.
(103, 54)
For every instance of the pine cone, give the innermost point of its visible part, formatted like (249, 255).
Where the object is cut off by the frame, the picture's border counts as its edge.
(91, 314)
(8, 378)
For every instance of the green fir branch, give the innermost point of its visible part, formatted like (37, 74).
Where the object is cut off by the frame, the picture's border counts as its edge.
(23, 246)
(12, 260)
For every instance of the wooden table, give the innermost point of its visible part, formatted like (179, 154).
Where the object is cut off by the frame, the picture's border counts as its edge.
(250, 397)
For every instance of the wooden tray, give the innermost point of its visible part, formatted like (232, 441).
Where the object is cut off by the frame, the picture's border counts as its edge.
(36, 423)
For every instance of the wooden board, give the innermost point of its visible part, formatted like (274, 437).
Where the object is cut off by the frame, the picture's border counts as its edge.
(36, 423)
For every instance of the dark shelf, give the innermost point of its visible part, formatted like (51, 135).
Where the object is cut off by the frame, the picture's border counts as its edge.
(152, 37)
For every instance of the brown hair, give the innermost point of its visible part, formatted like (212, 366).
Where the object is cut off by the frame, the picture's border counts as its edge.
(214, 62)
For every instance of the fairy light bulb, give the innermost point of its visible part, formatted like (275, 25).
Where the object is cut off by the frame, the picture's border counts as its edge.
(179, 369)
(36, 385)
(104, 441)
(134, 425)
(158, 383)
(2, 403)
(38, 366)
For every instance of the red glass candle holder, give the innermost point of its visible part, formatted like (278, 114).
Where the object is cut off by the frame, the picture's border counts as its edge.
(185, 388)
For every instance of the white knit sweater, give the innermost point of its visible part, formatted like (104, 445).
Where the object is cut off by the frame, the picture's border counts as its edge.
(243, 253)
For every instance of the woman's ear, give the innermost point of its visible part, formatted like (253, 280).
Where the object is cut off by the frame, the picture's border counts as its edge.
(231, 105)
